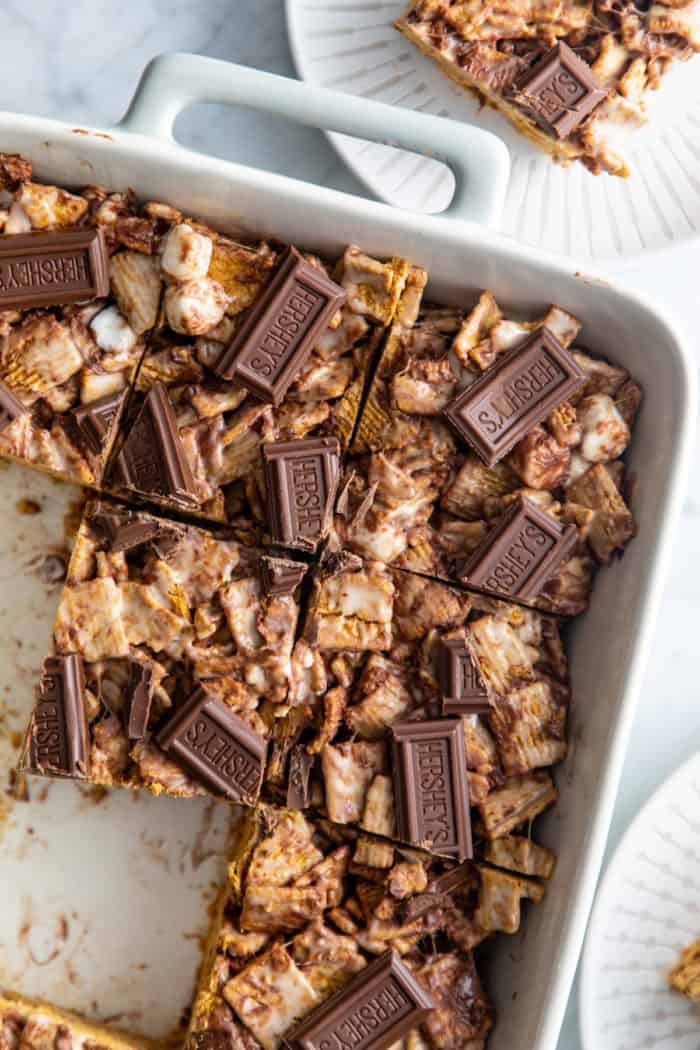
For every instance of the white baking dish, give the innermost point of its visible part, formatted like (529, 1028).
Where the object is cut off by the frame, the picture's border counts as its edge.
(531, 973)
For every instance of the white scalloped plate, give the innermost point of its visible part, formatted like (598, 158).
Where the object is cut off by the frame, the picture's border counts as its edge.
(351, 45)
(646, 911)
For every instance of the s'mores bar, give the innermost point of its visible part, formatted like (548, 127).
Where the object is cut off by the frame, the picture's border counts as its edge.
(250, 389)
(396, 676)
(75, 309)
(170, 661)
(321, 940)
(489, 454)
(568, 74)
(27, 1024)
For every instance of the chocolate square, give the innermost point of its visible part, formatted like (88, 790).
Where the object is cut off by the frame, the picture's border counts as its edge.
(560, 91)
(374, 1009)
(430, 785)
(300, 480)
(514, 395)
(463, 691)
(217, 746)
(521, 553)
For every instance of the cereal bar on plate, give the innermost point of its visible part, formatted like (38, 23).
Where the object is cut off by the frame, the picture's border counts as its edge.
(569, 74)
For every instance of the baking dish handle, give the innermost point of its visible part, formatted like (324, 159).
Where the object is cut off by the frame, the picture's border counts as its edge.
(478, 159)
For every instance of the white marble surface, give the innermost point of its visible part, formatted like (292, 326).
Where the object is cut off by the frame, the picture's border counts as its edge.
(81, 61)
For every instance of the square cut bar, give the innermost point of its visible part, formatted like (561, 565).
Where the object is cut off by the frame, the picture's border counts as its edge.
(364, 668)
(67, 352)
(170, 660)
(324, 936)
(230, 398)
(568, 97)
(415, 494)
(29, 1024)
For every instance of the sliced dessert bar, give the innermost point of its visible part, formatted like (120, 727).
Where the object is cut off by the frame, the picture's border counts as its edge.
(27, 1024)
(251, 385)
(171, 657)
(326, 938)
(412, 701)
(568, 74)
(78, 296)
(488, 453)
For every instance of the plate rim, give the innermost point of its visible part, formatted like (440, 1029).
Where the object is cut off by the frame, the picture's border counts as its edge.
(586, 997)
(622, 261)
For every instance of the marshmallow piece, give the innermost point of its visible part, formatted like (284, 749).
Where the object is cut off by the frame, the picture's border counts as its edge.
(195, 307)
(186, 254)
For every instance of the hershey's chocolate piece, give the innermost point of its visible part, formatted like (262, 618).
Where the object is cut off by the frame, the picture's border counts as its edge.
(300, 481)
(94, 422)
(430, 785)
(11, 407)
(298, 776)
(460, 877)
(141, 699)
(281, 575)
(463, 691)
(59, 736)
(124, 530)
(152, 460)
(371, 1012)
(559, 91)
(281, 329)
(514, 395)
(519, 555)
(52, 269)
(217, 746)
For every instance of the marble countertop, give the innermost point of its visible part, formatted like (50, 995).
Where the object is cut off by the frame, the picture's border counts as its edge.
(82, 61)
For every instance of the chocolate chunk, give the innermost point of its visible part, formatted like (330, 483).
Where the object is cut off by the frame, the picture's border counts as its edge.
(52, 269)
(281, 575)
(217, 746)
(559, 91)
(430, 785)
(223, 1037)
(94, 422)
(521, 553)
(59, 737)
(460, 878)
(300, 481)
(124, 531)
(371, 1012)
(11, 407)
(281, 329)
(152, 460)
(298, 789)
(463, 691)
(514, 395)
(141, 686)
